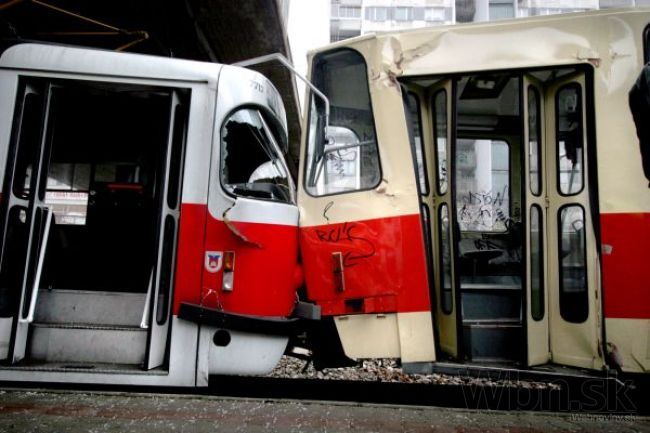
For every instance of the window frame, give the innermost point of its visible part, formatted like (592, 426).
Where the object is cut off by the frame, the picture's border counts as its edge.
(539, 149)
(269, 115)
(541, 264)
(442, 91)
(558, 171)
(561, 287)
(425, 169)
(407, 9)
(455, 192)
(441, 280)
(308, 131)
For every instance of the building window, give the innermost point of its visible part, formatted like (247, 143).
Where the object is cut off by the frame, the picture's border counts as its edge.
(349, 12)
(377, 14)
(434, 14)
(499, 11)
(403, 14)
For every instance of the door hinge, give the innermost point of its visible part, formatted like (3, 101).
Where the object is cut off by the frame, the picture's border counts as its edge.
(547, 203)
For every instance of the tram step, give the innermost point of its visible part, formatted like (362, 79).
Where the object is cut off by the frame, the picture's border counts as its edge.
(493, 340)
(57, 342)
(78, 306)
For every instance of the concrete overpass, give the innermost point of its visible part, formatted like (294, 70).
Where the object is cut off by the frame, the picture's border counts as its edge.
(224, 31)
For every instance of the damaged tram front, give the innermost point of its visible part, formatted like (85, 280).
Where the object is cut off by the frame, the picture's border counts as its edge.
(479, 201)
(148, 221)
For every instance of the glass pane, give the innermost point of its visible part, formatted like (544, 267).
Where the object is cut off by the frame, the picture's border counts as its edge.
(573, 266)
(176, 162)
(446, 302)
(483, 185)
(440, 138)
(341, 75)
(251, 163)
(569, 139)
(402, 13)
(534, 137)
(342, 164)
(32, 260)
(166, 271)
(426, 223)
(536, 264)
(28, 143)
(416, 129)
(12, 268)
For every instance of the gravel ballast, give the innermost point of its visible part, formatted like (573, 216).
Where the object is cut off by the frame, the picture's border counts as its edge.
(388, 370)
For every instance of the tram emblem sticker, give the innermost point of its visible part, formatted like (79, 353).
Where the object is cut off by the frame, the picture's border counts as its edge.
(213, 261)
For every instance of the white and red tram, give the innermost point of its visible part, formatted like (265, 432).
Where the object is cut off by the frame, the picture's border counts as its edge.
(148, 220)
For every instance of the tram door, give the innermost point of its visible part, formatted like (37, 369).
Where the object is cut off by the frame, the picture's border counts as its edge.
(574, 309)
(27, 221)
(441, 205)
(537, 321)
(563, 312)
(89, 223)
(514, 248)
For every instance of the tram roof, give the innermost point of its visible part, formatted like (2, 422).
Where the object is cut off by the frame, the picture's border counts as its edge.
(583, 37)
(66, 59)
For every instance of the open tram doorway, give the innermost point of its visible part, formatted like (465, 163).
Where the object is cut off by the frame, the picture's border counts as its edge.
(90, 218)
(508, 203)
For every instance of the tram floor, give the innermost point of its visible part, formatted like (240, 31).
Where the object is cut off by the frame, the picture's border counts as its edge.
(83, 411)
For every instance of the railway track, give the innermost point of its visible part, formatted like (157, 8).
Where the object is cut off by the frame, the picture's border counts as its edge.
(463, 388)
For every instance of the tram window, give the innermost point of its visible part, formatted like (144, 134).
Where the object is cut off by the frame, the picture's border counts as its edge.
(574, 300)
(569, 133)
(416, 129)
(28, 143)
(483, 185)
(446, 293)
(534, 141)
(166, 271)
(178, 143)
(536, 263)
(67, 192)
(251, 162)
(440, 138)
(342, 76)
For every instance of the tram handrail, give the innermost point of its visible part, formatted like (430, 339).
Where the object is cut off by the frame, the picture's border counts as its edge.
(39, 268)
(144, 323)
(287, 64)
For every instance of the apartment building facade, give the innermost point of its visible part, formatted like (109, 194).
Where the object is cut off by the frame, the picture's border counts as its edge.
(351, 18)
